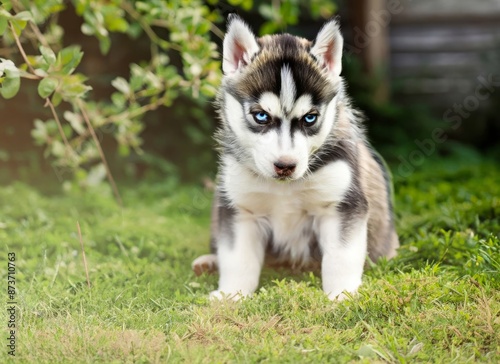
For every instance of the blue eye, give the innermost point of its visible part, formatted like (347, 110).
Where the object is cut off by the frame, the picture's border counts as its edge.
(310, 118)
(261, 117)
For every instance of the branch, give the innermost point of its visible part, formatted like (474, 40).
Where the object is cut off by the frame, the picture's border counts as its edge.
(155, 39)
(124, 115)
(58, 122)
(21, 49)
(47, 100)
(111, 180)
(216, 30)
(137, 112)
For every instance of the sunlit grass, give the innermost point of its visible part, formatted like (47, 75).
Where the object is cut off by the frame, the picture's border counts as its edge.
(438, 301)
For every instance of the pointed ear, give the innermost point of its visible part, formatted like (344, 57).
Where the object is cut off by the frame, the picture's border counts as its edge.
(239, 46)
(327, 47)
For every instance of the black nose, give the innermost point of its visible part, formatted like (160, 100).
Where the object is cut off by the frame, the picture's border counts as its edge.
(284, 168)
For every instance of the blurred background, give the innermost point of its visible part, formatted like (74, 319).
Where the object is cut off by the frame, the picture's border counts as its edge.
(425, 73)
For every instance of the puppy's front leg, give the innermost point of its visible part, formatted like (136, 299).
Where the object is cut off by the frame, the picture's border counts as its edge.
(240, 257)
(344, 252)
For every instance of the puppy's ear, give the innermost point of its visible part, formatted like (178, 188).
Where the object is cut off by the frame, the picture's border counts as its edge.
(239, 46)
(327, 47)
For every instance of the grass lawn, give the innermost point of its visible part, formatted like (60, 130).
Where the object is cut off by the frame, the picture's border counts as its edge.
(438, 301)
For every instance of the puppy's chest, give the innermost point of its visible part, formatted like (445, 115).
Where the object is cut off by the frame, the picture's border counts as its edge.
(287, 211)
(287, 221)
(289, 201)
(282, 206)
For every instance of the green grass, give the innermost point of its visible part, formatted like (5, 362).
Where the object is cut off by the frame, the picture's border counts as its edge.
(438, 301)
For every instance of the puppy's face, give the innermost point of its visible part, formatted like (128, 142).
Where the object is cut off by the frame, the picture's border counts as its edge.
(279, 97)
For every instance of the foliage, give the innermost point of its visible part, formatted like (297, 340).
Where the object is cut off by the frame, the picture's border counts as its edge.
(392, 127)
(172, 29)
(153, 83)
(279, 14)
(437, 301)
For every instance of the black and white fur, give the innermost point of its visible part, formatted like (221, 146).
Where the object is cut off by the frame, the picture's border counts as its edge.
(298, 183)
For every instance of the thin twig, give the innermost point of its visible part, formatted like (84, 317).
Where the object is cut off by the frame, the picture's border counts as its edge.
(155, 39)
(124, 115)
(21, 49)
(30, 76)
(34, 27)
(101, 153)
(139, 111)
(58, 122)
(83, 254)
(39, 35)
(216, 30)
(131, 114)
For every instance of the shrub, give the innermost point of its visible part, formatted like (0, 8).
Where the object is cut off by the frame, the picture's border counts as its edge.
(32, 32)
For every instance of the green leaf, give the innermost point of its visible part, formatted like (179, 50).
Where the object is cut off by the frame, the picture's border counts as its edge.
(69, 58)
(10, 87)
(24, 15)
(104, 45)
(47, 86)
(134, 30)
(143, 6)
(117, 24)
(73, 86)
(208, 90)
(87, 29)
(4, 13)
(56, 99)
(12, 80)
(267, 11)
(118, 99)
(18, 26)
(48, 55)
(268, 28)
(57, 148)
(75, 121)
(3, 25)
(96, 175)
(39, 132)
(247, 5)
(121, 85)
(123, 150)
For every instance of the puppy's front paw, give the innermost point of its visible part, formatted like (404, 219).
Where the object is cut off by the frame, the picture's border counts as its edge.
(205, 264)
(340, 296)
(219, 295)
(339, 291)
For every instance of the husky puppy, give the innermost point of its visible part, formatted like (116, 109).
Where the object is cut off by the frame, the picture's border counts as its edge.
(297, 183)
